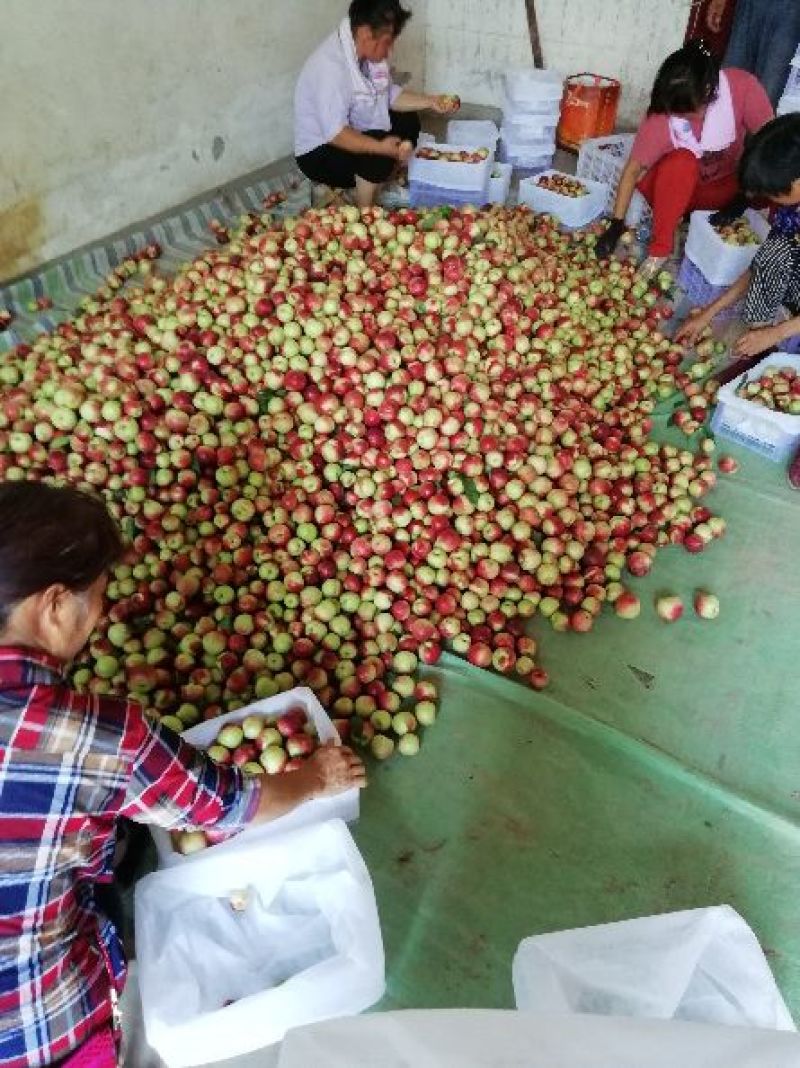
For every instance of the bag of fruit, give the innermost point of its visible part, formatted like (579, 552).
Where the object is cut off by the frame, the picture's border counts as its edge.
(240, 946)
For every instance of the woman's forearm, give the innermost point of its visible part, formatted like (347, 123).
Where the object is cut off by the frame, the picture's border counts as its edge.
(351, 140)
(627, 183)
(409, 101)
(789, 328)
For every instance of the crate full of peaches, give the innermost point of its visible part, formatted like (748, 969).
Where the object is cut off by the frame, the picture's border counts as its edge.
(271, 737)
(457, 167)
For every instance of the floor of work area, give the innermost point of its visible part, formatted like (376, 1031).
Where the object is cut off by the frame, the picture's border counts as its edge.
(657, 772)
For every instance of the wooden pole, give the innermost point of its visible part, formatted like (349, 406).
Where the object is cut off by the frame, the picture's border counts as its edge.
(533, 30)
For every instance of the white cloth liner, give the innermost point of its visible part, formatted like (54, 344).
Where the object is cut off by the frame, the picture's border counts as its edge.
(304, 945)
(703, 965)
(495, 1039)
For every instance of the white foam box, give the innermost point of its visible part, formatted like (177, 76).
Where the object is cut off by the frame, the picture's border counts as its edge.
(534, 137)
(721, 263)
(499, 183)
(343, 806)
(774, 435)
(532, 87)
(473, 132)
(466, 176)
(547, 111)
(528, 163)
(571, 211)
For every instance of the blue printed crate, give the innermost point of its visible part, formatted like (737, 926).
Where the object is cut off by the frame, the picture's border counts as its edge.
(436, 196)
(701, 292)
(774, 435)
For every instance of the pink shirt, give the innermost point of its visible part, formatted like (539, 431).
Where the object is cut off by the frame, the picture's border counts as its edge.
(751, 108)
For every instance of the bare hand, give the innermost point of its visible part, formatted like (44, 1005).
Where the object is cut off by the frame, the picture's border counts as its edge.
(333, 769)
(445, 104)
(390, 146)
(752, 342)
(405, 152)
(716, 10)
(696, 322)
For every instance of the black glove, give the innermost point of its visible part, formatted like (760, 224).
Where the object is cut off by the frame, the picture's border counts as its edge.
(725, 216)
(607, 241)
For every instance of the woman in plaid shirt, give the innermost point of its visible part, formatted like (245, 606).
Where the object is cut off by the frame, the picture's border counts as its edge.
(70, 766)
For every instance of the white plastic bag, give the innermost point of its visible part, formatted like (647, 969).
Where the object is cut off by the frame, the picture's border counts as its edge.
(494, 1039)
(704, 965)
(239, 947)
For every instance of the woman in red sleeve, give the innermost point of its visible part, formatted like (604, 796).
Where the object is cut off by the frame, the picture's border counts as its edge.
(687, 149)
(72, 764)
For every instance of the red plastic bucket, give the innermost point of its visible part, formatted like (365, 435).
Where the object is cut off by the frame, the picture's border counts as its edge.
(588, 108)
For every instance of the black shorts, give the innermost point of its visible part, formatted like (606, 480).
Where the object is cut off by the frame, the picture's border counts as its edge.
(337, 168)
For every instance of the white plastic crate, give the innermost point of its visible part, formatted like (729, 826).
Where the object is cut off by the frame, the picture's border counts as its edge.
(499, 183)
(571, 211)
(721, 263)
(467, 176)
(473, 132)
(533, 87)
(344, 806)
(602, 159)
(774, 435)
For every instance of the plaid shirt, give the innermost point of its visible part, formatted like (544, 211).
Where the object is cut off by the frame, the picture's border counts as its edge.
(69, 766)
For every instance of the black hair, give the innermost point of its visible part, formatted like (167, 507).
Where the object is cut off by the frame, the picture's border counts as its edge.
(771, 160)
(52, 535)
(379, 15)
(686, 81)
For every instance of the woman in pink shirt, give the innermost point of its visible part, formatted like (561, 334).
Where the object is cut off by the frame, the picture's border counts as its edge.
(687, 149)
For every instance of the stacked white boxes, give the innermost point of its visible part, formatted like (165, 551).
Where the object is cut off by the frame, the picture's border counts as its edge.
(530, 119)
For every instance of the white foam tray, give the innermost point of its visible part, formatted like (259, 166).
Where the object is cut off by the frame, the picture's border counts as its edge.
(343, 806)
(774, 435)
(571, 211)
(467, 176)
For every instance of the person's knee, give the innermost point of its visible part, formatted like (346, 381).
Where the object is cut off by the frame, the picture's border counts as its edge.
(680, 165)
(406, 125)
(375, 169)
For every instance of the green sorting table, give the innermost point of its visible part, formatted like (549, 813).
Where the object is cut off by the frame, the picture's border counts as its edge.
(659, 771)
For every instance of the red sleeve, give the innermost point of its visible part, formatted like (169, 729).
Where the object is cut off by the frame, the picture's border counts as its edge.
(750, 100)
(652, 141)
(174, 785)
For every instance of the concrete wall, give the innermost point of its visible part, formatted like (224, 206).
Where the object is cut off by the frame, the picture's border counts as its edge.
(469, 42)
(115, 111)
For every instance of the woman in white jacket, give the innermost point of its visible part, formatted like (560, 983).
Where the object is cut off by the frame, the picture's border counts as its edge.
(353, 126)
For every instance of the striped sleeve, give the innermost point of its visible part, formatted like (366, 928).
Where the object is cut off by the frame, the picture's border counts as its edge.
(174, 785)
(774, 278)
